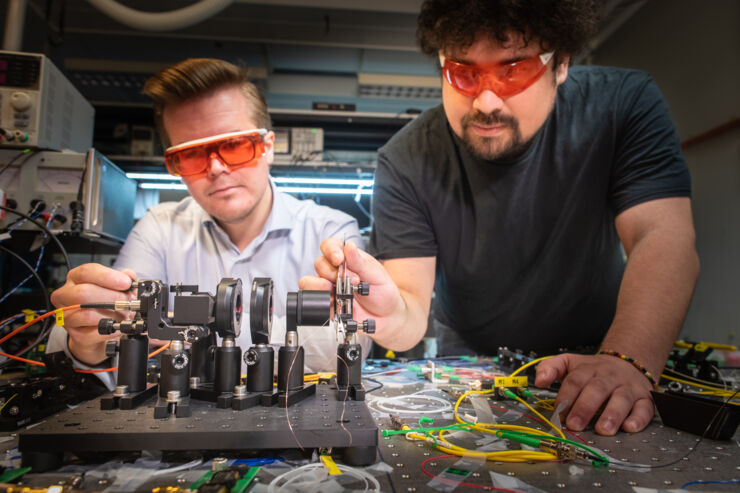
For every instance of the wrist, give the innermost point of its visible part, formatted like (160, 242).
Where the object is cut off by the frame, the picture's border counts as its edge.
(635, 364)
(89, 355)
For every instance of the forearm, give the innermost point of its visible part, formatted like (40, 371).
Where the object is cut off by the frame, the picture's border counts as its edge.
(654, 297)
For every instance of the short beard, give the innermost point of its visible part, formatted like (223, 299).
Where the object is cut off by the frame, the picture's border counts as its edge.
(493, 148)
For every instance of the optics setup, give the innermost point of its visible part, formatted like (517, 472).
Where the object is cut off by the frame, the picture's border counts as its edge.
(322, 186)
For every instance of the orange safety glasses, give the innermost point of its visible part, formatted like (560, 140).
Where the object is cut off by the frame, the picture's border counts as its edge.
(235, 150)
(504, 79)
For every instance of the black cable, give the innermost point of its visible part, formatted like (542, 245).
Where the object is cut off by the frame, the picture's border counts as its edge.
(44, 228)
(15, 158)
(378, 383)
(35, 274)
(102, 306)
(46, 330)
(20, 221)
(691, 449)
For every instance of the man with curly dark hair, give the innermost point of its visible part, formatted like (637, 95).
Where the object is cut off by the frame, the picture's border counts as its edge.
(518, 200)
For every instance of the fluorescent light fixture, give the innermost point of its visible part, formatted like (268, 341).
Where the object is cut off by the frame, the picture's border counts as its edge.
(279, 179)
(163, 186)
(325, 181)
(152, 176)
(313, 190)
(326, 191)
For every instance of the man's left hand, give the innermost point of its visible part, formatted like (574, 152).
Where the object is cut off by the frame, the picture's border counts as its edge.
(590, 381)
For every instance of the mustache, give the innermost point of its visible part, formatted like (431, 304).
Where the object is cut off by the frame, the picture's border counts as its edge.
(495, 118)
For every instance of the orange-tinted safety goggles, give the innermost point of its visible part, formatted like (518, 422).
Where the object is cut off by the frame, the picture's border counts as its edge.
(504, 79)
(234, 149)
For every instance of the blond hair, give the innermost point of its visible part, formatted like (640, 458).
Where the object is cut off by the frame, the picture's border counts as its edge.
(196, 77)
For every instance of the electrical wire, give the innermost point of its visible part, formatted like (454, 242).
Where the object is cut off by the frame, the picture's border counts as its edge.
(49, 314)
(10, 319)
(376, 382)
(462, 397)
(295, 474)
(461, 483)
(34, 273)
(43, 334)
(181, 467)
(628, 465)
(27, 151)
(387, 473)
(441, 443)
(527, 365)
(726, 481)
(36, 268)
(715, 390)
(37, 319)
(344, 401)
(389, 372)
(381, 404)
(45, 229)
(287, 391)
(115, 368)
(8, 401)
(688, 379)
(538, 419)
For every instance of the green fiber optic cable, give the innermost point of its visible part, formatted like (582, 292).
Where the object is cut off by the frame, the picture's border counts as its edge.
(504, 433)
(387, 433)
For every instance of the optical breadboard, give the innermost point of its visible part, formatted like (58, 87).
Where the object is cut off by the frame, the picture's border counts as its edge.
(321, 420)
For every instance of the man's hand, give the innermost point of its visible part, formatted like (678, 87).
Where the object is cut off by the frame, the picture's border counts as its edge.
(384, 300)
(91, 283)
(589, 381)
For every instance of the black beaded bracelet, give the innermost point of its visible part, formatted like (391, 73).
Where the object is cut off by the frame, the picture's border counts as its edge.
(633, 362)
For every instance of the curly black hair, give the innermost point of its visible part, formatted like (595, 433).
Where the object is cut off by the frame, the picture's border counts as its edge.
(563, 26)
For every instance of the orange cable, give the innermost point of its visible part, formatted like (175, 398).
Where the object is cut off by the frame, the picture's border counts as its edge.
(49, 314)
(37, 319)
(30, 361)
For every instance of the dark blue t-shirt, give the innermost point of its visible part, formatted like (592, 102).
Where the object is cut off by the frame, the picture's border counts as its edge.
(527, 252)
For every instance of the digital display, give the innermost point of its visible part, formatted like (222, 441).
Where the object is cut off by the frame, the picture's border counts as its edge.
(19, 71)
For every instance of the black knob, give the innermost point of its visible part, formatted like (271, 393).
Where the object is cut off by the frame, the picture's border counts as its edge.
(368, 326)
(38, 205)
(111, 348)
(363, 289)
(11, 203)
(106, 326)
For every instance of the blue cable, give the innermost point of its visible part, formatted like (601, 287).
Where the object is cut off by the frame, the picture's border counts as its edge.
(256, 462)
(38, 260)
(11, 320)
(711, 482)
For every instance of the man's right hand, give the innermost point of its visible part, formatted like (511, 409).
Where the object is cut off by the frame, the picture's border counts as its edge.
(400, 318)
(92, 283)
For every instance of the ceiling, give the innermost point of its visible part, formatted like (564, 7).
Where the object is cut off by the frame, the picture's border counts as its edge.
(352, 52)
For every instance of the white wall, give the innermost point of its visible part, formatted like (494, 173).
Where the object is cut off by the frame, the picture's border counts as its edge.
(692, 50)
